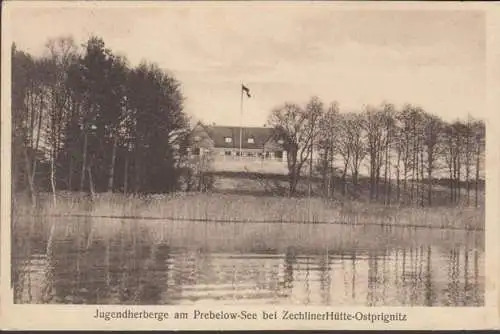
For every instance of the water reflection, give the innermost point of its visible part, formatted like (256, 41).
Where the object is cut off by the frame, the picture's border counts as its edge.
(125, 267)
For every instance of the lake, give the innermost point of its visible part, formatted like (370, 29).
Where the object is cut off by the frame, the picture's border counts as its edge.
(110, 261)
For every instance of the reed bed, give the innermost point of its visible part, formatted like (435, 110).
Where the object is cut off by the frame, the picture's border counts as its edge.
(248, 208)
(242, 223)
(93, 254)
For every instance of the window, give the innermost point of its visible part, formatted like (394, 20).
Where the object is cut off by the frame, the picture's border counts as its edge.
(228, 139)
(251, 140)
(196, 151)
(227, 153)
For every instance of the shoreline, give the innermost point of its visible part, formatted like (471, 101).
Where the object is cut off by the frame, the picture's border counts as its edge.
(220, 221)
(244, 208)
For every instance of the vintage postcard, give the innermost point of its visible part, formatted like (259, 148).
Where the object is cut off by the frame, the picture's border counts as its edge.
(250, 165)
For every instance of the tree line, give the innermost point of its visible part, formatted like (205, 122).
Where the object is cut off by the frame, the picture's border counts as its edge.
(84, 120)
(409, 154)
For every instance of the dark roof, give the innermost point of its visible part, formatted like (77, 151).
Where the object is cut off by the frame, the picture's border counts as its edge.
(218, 134)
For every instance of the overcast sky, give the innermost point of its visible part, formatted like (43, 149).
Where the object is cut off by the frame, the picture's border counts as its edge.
(287, 52)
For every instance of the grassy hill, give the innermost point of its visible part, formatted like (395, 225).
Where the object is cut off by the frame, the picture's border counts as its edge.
(277, 185)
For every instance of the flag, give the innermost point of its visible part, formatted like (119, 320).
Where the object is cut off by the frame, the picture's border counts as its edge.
(246, 90)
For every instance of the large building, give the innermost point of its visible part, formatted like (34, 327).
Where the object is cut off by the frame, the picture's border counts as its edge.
(260, 150)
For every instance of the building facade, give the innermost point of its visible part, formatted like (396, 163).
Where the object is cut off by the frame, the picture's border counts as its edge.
(261, 149)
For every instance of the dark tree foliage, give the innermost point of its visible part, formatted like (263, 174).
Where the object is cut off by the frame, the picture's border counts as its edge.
(87, 121)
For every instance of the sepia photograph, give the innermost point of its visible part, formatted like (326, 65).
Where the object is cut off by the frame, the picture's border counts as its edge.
(241, 154)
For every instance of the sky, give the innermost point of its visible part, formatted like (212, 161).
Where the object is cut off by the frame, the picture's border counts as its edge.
(286, 52)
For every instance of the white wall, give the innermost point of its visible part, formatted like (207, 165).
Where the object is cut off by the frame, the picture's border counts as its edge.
(250, 165)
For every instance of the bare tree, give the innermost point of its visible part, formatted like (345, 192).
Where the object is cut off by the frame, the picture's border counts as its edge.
(468, 153)
(399, 148)
(352, 146)
(358, 146)
(344, 147)
(459, 139)
(29, 96)
(62, 55)
(453, 156)
(296, 125)
(415, 119)
(404, 148)
(432, 129)
(479, 131)
(389, 122)
(328, 137)
(448, 152)
(376, 137)
(314, 109)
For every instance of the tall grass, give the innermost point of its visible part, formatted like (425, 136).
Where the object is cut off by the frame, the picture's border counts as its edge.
(85, 240)
(248, 208)
(233, 222)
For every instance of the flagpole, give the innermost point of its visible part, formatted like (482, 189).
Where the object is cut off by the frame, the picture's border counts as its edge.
(241, 115)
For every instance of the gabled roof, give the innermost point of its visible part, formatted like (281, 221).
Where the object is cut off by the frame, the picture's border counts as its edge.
(260, 135)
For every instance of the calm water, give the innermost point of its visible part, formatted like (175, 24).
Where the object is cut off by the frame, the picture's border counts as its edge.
(110, 263)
